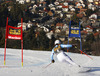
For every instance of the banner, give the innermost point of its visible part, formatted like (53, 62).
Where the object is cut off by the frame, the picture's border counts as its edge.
(14, 32)
(74, 32)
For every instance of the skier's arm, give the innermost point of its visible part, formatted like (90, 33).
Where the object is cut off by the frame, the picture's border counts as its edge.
(52, 54)
(66, 45)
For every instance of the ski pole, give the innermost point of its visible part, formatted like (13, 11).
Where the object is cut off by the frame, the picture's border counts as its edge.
(47, 65)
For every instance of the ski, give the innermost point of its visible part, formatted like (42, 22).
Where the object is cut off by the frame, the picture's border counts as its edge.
(84, 70)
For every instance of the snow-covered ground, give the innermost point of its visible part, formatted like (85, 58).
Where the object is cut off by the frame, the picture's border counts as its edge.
(35, 63)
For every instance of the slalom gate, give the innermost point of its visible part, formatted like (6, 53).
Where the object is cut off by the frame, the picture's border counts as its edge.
(15, 33)
(75, 32)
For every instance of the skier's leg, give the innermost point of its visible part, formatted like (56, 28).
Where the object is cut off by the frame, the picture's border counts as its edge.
(60, 57)
(69, 60)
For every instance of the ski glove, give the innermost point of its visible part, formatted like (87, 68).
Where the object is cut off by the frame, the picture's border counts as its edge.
(53, 61)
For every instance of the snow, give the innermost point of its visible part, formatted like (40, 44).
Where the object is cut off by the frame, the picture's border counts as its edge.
(35, 63)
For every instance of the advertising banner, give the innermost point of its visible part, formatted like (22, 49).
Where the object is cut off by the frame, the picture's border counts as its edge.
(14, 32)
(74, 32)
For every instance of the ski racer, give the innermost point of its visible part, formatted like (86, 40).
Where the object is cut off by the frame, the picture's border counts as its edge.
(61, 56)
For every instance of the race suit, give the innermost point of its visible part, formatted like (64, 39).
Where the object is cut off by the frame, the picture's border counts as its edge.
(61, 56)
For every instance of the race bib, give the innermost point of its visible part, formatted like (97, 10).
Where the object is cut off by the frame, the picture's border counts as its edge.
(58, 47)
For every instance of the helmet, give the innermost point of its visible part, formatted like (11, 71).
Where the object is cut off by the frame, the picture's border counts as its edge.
(57, 42)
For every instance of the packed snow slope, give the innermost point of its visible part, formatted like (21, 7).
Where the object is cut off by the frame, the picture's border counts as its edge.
(35, 63)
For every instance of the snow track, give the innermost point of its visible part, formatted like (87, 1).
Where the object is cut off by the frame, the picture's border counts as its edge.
(35, 61)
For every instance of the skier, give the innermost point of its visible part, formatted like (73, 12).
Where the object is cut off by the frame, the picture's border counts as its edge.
(61, 56)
